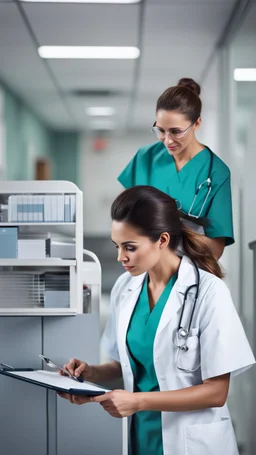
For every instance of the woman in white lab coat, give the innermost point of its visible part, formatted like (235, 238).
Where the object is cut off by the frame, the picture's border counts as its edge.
(175, 386)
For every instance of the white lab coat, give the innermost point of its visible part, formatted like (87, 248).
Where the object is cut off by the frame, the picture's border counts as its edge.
(217, 338)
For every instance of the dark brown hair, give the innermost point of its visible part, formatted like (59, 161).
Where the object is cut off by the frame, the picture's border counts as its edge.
(153, 212)
(183, 98)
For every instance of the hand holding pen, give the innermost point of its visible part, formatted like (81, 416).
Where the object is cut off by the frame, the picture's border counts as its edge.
(78, 369)
(62, 370)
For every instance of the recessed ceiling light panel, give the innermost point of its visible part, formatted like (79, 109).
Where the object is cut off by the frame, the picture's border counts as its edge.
(100, 111)
(91, 52)
(245, 74)
(121, 2)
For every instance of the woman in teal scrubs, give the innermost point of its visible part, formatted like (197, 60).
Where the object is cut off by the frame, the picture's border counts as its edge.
(180, 165)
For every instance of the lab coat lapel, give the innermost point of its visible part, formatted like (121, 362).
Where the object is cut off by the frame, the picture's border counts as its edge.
(172, 305)
(127, 304)
(186, 277)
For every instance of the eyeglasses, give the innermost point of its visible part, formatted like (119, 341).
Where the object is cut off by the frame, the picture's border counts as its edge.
(173, 133)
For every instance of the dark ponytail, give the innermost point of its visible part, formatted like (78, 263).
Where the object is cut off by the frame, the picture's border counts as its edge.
(153, 212)
(196, 248)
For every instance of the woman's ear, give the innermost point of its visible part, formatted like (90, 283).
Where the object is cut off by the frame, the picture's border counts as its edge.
(197, 124)
(164, 240)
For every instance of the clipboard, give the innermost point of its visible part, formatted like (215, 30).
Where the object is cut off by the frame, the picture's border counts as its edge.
(54, 381)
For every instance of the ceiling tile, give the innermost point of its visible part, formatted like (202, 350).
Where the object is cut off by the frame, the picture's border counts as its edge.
(187, 2)
(175, 47)
(79, 105)
(21, 68)
(84, 24)
(177, 39)
(85, 74)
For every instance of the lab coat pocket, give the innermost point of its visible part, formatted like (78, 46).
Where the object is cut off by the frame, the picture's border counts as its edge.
(216, 438)
(189, 360)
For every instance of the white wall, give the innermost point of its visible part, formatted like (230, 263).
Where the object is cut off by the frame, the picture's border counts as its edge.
(237, 127)
(99, 172)
(210, 89)
(242, 271)
(249, 222)
(2, 138)
(249, 234)
(210, 132)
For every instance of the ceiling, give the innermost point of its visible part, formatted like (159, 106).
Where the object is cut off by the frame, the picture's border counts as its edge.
(176, 39)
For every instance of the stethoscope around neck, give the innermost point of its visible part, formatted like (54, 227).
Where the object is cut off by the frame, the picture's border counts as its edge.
(206, 183)
(182, 331)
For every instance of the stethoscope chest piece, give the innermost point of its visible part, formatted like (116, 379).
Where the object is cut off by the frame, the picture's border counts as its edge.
(183, 333)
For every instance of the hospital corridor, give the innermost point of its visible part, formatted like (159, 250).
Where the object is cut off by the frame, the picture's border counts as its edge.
(127, 227)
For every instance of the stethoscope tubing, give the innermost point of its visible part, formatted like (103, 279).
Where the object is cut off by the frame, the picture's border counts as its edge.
(207, 181)
(183, 332)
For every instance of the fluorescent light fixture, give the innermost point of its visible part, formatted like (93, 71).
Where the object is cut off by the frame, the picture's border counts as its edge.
(245, 74)
(100, 111)
(121, 2)
(100, 52)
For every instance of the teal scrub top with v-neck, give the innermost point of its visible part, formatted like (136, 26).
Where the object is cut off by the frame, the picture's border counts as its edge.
(153, 165)
(146, 437)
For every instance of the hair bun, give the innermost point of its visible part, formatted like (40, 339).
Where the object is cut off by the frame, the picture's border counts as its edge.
(191, 84)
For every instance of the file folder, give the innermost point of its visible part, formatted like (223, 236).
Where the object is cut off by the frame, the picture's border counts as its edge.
(54, 381)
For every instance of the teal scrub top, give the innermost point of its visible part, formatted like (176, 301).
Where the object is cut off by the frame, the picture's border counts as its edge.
(146, 436)
(154, 166)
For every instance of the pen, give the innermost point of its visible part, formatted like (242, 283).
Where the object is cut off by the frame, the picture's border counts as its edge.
(78, 379)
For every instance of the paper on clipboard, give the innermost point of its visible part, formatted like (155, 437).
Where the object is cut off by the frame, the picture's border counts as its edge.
(56, 381)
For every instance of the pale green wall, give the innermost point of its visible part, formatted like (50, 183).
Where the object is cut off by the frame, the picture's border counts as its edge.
(66, 153)
(27, 138)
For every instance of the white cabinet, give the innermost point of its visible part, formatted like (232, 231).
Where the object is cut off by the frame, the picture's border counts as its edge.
(42, 286)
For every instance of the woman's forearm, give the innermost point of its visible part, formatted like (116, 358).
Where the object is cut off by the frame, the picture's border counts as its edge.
(105, 372)
(210, 394)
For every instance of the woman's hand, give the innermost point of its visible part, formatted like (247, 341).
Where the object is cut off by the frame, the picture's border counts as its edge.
(118, 403)
(74, 399)
(78, 368)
